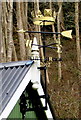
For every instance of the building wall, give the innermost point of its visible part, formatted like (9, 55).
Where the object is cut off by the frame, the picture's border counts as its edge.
(16, 113)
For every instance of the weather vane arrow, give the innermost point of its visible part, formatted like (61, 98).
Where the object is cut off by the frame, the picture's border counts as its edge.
(66, 33)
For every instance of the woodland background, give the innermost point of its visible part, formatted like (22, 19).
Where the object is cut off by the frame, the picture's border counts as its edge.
(64, 87)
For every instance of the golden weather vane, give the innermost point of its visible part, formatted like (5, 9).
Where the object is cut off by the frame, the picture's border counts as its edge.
(47, 19)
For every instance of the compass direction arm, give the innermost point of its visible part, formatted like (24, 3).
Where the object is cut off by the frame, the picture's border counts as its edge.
(66, 33)
(49, 46)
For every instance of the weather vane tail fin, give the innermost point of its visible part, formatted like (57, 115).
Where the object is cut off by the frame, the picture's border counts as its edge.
(67, 33)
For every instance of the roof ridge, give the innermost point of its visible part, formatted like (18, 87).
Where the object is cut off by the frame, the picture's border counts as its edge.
(15, 64)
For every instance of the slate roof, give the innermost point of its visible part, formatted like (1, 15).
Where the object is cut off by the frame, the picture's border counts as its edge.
(11, 75)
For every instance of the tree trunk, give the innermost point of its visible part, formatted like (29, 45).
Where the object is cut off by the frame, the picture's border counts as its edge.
(77, 34)
(53, 27)
(20, 35)
(24, 9)
(26, 19)
(1, 38)
(59, 42)
(4, 48)
(78, 49)
(14, 53)
(5, 15)
(2, 41)
(4, 27)
(10, 31)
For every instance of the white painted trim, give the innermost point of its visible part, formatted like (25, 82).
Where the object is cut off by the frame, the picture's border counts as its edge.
(16, 95)
(29, 76)
(34, 75)
(48, 111)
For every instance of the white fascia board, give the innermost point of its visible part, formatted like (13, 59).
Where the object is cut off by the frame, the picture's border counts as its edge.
(16, 95)
(48, 111)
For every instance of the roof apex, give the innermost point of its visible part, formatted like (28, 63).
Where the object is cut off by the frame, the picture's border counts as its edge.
(35, 45)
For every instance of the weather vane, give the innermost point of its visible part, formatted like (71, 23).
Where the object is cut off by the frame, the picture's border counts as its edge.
(47, 19)
(43, 20)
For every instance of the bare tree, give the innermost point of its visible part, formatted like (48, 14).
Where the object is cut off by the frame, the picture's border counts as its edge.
(59, 42)
(53, 27)
(78, 48)
(7, 28)
(2, 41)
(26, 18)
(4, 27)
(77, 34)
(24, 14)
(10, 31)
(20, 35)
(4, 48)
(10, 43)
(1, 38)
